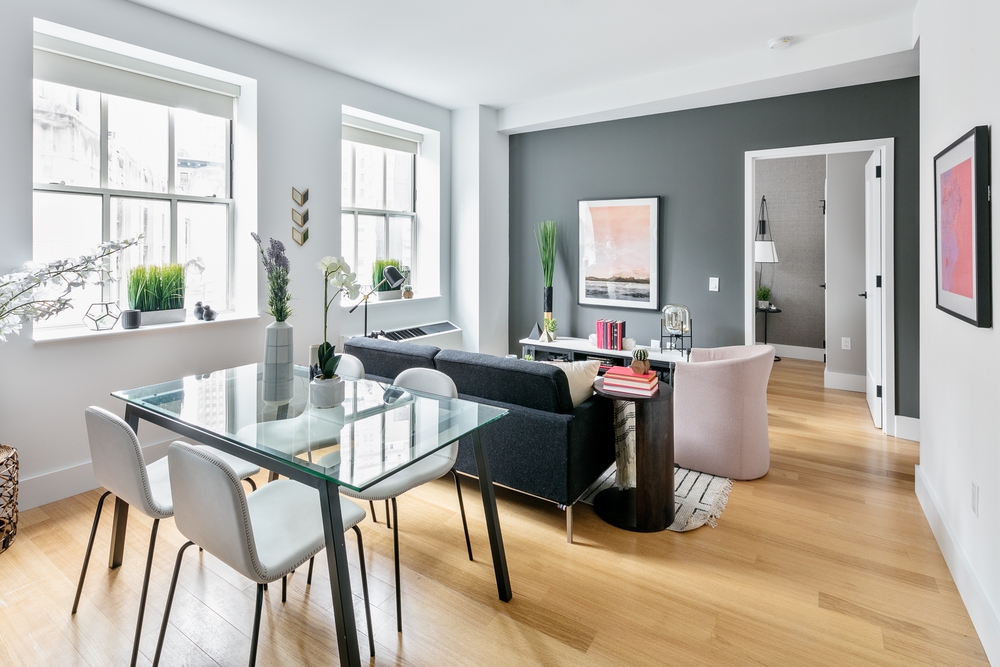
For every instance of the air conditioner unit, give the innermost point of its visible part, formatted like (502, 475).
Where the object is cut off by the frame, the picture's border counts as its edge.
(445, 335)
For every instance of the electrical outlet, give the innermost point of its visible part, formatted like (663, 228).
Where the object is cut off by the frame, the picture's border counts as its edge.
(975, 499)
(713, 284)
(845, 343)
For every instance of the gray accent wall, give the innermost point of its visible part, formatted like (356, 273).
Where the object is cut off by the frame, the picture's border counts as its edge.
(794, 187)
(694, 160)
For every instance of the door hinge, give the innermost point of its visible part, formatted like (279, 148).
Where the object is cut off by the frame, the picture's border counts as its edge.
(824, 358)
(878, 391)
(878, 281)
(878, 171)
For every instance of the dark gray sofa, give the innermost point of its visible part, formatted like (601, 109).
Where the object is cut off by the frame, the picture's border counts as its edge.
(544, 447)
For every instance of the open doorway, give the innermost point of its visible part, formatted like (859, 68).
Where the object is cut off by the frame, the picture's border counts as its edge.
(827, 212)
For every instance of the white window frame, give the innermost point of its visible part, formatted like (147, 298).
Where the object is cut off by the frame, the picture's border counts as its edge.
(244, 261)
(385, 214)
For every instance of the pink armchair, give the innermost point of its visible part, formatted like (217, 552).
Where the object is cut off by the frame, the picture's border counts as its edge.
(720, 411)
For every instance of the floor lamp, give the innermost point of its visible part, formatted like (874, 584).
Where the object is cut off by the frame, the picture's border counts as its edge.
(392, 277)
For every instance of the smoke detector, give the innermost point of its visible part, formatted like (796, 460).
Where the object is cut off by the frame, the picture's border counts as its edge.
(779, 43)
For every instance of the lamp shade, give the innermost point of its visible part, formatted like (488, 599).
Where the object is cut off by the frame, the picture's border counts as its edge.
(393, 276)
(764, 252)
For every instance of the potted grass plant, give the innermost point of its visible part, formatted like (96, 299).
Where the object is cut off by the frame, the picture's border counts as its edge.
(545, 238)
(158, 293)
(384, 292)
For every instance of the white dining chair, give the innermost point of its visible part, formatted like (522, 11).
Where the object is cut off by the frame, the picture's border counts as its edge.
(428, 469)
(351, 367)
(120, 467)
(263, 536)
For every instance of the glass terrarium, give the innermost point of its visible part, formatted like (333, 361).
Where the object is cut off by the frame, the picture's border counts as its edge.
(676, 319)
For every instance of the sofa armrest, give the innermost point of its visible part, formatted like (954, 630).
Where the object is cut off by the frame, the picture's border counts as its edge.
(546, 454)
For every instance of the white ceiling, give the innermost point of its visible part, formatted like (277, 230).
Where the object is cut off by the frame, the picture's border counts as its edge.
(458, 53)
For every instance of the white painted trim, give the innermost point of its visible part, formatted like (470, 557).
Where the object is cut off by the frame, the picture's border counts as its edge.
(58, 484)
(798, 352)
(844, 381)
(908, 428)
(977, 603)
(887, 147)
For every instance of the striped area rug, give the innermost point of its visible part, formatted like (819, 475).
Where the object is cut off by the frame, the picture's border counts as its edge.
(699, 498)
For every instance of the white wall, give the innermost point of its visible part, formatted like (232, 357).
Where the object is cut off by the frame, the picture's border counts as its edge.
(959, 364)
(47, 386)
(480, 230)
(845, 263)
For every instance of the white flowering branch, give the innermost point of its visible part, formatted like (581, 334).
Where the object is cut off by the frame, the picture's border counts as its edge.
(39, 291)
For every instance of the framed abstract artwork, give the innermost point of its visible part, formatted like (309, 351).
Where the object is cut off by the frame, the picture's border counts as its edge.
(618, 252)
(962, 228)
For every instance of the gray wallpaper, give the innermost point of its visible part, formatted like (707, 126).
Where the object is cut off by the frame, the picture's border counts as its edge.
(694, 161)
(794, 187)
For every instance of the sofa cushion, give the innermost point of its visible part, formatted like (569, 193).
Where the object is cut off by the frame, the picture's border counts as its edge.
(387, 358)
(581, 376)
(524, 383)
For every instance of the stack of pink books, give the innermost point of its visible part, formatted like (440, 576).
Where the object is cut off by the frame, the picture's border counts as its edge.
(622, 380)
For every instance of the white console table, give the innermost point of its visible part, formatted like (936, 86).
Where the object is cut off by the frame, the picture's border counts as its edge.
(581, 348)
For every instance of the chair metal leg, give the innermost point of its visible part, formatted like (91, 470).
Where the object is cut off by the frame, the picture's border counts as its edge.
(142, 596)
(309, 576)
(364, 589)
(90, 546)
(388, 522)
(170, 602)
(371, 504)
(253, 484)
(395, 553)
(284, 589)
(569, 524)
(256, 625)
(461, 508)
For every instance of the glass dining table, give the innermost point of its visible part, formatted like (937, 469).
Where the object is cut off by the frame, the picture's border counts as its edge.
(377, 431)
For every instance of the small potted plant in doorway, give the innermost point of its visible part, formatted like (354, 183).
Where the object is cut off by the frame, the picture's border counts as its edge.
(763, 297)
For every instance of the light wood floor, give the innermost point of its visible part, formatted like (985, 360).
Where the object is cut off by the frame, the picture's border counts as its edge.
(827, 560)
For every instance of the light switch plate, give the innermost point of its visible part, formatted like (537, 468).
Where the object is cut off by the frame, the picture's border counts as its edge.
(713, 284)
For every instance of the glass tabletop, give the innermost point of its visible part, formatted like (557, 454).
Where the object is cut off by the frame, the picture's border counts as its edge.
(378, 429)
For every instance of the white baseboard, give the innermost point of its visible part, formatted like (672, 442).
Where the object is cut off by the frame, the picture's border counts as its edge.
(843, 381)
(797, 352)
(982, 613)
(58, 484)
(907, 428)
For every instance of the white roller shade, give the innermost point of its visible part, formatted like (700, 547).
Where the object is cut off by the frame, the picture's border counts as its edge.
(82, 66)
(369, 132)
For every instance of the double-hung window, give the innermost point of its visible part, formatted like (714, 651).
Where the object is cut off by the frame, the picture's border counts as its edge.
(378, 196)
(123, 148)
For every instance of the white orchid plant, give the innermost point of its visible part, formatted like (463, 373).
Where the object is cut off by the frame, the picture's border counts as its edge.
(336, 272)
(39, 291)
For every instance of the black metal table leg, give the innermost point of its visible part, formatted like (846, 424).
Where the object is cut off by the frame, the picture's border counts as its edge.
(119, 523)
(492, 518)
(340, 579)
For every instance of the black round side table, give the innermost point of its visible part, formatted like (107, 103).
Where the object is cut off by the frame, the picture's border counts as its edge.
(649, 507)
(766, 311)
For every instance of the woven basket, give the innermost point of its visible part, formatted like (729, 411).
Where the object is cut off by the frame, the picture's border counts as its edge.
(8, 496)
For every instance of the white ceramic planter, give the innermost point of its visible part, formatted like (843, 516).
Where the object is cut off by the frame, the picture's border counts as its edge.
(763, 304)
(326, 393)
(148, 317)
(389, 295)
(278, 369)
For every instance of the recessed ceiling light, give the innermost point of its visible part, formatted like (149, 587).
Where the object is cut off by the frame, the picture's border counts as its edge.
(779, 43)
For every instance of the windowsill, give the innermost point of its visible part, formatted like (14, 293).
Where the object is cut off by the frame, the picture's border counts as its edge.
(56, 335)
(347, 305)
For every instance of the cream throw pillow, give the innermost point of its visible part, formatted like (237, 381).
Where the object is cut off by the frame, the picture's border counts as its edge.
(581, 376)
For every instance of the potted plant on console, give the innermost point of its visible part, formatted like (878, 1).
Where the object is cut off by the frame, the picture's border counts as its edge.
(158, 293)
(326, 390)
(763, 296)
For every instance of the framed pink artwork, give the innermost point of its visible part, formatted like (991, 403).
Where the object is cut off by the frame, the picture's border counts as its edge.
(962, 228)
(618, 252)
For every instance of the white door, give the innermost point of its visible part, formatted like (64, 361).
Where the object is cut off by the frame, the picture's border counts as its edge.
(873, 286)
